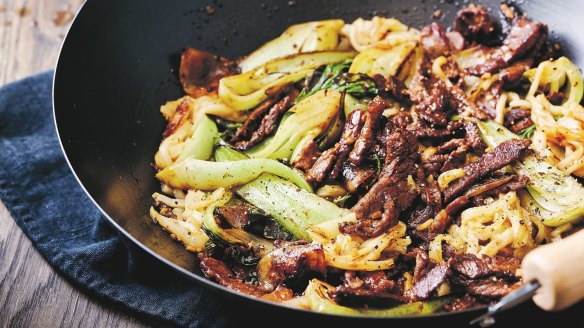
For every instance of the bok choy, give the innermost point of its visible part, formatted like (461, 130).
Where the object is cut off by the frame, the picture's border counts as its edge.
(375, 61)
(300, 38)
(247, 90)
(554, 196)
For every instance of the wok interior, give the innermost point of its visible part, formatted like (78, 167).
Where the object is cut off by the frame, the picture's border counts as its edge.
(120, 60)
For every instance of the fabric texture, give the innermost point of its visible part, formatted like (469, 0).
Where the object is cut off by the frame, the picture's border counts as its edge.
(43, 196)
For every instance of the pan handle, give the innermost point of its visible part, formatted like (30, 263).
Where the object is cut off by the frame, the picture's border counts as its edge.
(559, 268)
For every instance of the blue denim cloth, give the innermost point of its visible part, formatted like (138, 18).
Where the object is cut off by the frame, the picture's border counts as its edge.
(39, 190)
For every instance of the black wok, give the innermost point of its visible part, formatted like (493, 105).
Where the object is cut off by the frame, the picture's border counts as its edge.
(119, 63)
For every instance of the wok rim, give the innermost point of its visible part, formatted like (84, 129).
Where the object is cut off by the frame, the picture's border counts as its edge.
(206, 282)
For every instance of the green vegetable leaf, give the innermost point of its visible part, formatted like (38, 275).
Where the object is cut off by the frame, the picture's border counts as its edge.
(337, 77)
(527, 133)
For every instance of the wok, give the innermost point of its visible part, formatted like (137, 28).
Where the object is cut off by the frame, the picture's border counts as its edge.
(119, 63)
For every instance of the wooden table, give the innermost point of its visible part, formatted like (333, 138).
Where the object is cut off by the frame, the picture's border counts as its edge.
(32, 294)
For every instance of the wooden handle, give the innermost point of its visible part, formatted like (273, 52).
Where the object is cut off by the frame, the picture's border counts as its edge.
(559, 268)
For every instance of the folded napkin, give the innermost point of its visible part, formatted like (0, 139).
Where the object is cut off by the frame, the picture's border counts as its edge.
(43, 196)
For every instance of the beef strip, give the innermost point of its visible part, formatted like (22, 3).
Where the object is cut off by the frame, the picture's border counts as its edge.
(391, 87)
(435, 42)
(355, 177)
(367, 288)
(422, 289)
(512, 75)
(367, 133)
(473, 137)
(179, 117)
(431, 205)
(475, 25)
(219, 272)
(504, 154)
(524, 37)
(307, 156)
(462, 303)
(422, 263)
(391, 194)
(518, 119)
(330, 163)
(253, 119)
(472, 267)
(486, 101)
(200, 71)
(268, 122)
(290, 260)
(423, 132)
(236, 215)
(495, 187)
(489, 288)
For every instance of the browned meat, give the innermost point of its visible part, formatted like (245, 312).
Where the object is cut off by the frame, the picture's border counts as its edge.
(367, 288)
(511, 183)
(422, 264)
(219, 272)
(367, 133)
(504, 154)
(330, 163)
(432, 102)
(253, 120)
(397, 122)
(486, 101)
(290, 260)
(518, 119)
(432, 280)
(181, 114)
(462, 303)
(391, 194)
(355, 176)
(236, 215)
(489, 288)
(472, 267)
(307, 156)
(473, 137)
(422, 131)
(201, 71)
(435, 42)
(556, 98)
(268, 122)
(429, 208)
(392, 87)
(475, 25)
(512, 75)
(463, 105)
(525, 37)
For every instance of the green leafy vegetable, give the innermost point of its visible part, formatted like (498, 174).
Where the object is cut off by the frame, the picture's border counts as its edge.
(527, 133)
(554, 196)
(337, 77)
(200, 144)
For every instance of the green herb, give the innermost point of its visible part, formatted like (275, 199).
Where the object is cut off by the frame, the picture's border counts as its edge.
(337, 77)
(527, 133)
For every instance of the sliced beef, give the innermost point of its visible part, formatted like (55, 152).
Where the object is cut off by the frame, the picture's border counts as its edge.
(432, 101)
(435, 42)
(290, 260)
(367, 133)
(201, 71)
(526, 37)
(429, 207)
(423, 289)
(268, 123)
(473, 137)
(307, 156)
(472, 267)
(367, 289)
(504, 154)
(391, 87)
(179, 117)
(378, 210)
(356, 177)
(512, 75)
(253, 120)
(219, 272)
(496, 186)
(330, 163)
(236, 215)
(518, 119)
(490, 288)
(462, 303)
(423, 264)
(476, 26)
(423, 132)
(486, 100)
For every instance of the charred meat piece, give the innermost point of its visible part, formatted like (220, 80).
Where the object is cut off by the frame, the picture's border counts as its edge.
(180, 116)
(367, 133)
(518, 119)
(525, 37)
(201, 71)
(512, 75)
(435, 42)
(367, 288)
(494, 187)
(490, 288)
(219, 272)
(268, 122)
(253, 120)
(330, 163)
(391, 194)
(429, 283)
(473, 137)
(462, 303)
(355, 176)
(472, 267)
(431, 205)
(392, 87)
(475, 25)
(422, 263)
(432, 101)
(486, 101)
(504, 154)
(290, 260)
(307, 156)
(236, 215)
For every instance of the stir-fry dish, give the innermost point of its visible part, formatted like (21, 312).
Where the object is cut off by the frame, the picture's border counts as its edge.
(371, 168)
